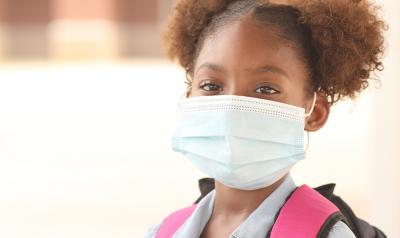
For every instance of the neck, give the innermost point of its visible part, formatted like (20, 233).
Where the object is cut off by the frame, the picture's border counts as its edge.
(231, 201)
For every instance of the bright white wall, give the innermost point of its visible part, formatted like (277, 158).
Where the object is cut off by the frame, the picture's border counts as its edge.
(81, 147)
(385, 196)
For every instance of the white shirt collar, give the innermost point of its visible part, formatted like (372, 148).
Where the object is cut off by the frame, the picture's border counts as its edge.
(256, 225)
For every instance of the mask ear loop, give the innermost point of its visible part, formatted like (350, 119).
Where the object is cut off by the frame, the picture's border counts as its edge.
(307, 115)
(185, 94)
(308, 141)
(312, 106)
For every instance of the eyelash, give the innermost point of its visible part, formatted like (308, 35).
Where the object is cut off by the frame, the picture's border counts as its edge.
(269, 88)
(219, 88)
(203, 85)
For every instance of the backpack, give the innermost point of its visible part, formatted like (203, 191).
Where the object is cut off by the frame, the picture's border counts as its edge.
(307, 213)
(359, 227)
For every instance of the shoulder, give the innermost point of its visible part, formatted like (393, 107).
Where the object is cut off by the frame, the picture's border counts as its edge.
(341, 230)
(151, 233)
(171, 223)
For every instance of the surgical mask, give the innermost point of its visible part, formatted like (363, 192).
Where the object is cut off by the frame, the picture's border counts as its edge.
(243, 142)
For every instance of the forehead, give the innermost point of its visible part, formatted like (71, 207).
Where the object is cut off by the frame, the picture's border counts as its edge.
(244, 44)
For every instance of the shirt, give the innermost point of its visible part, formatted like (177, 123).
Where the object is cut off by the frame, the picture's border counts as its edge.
(256, 225)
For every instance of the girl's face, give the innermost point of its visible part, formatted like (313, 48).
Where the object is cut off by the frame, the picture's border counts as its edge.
(245, 59)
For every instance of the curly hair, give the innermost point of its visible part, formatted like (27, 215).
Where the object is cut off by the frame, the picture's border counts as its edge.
(341, 41)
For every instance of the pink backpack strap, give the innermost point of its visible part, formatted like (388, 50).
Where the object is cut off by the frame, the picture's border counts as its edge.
(304, 215)
(172, 222)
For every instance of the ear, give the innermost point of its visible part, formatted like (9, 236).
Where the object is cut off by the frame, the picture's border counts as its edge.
(320, 114)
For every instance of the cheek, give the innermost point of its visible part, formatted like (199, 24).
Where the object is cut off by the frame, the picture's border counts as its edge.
(296, 95)
(299, 87)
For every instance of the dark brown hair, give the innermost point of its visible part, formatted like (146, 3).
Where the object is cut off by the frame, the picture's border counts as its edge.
(341, 41)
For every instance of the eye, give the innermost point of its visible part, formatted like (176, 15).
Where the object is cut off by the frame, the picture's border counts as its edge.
(266, 90)
(208, 86)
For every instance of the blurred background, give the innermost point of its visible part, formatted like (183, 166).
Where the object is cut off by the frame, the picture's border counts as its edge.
(87, 29)
(88, 105)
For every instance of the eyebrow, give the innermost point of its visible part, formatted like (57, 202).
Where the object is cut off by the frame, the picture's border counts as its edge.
(214, 67)
(263, 69)
(270, 69)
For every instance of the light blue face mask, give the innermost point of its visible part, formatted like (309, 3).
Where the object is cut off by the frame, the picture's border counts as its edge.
(243, 142)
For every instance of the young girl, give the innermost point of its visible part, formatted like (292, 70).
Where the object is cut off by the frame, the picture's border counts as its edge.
(260, 73)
